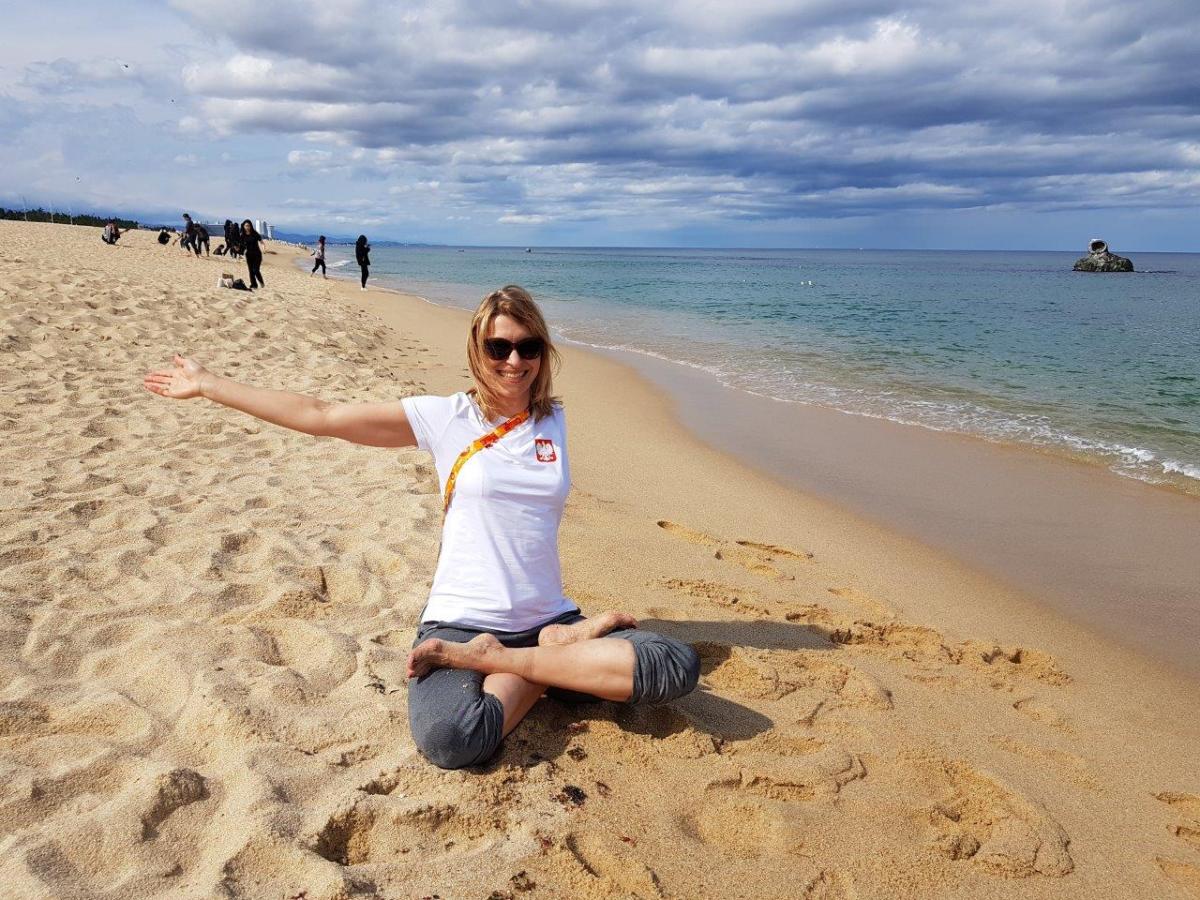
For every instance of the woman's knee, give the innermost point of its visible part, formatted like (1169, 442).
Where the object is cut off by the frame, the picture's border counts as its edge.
(666, 668)
(469, 737)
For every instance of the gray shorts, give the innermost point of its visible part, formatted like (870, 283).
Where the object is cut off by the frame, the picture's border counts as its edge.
(455, 724)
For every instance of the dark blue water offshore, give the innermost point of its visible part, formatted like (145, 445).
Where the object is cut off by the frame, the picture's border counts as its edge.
(1009, 346)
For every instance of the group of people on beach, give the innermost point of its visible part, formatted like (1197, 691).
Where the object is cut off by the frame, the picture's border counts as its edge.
(194, 236)
(243, 241)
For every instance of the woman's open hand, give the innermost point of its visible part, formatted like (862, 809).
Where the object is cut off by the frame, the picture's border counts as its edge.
(179, 383)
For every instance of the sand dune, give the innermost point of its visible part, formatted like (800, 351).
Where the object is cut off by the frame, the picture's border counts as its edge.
(206, 618)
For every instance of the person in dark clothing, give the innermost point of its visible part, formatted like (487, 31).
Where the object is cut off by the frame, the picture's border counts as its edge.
(200, 237)
(233, 243)
(250, 244)
(189, 234)
(319, 253)
(362, 253)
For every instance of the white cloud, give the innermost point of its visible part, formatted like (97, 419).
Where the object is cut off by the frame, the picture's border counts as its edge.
(309, 159)
(523, 219)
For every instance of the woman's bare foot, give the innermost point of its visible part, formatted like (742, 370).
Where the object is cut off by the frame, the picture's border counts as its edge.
(432, 654)
(595, 627)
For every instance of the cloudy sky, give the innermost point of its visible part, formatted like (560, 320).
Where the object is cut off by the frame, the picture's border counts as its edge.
(823, 123)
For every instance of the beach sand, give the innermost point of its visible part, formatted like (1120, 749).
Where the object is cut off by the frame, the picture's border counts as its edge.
(205, 621)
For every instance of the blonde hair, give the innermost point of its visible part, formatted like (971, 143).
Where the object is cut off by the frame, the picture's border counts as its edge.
(516, 303)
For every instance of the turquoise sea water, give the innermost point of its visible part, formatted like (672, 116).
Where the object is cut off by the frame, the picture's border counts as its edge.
(1012, 347)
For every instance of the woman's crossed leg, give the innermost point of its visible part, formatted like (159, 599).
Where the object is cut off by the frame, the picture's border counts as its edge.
(472, 688)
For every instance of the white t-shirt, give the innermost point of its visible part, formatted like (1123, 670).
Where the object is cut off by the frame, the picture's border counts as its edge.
(499, 566)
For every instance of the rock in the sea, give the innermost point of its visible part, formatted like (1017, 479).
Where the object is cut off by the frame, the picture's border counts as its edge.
(1099, 259)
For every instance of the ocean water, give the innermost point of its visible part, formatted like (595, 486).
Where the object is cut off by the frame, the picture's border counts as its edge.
(1008, 346)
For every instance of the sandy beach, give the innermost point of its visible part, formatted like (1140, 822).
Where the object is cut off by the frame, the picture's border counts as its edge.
(206, 619)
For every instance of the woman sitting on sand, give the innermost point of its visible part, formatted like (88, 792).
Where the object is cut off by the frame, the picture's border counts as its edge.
(497, 630)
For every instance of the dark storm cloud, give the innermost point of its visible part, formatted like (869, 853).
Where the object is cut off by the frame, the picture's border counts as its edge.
(756, 109)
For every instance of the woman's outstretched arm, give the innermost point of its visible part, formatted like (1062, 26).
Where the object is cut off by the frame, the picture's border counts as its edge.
(373, 424)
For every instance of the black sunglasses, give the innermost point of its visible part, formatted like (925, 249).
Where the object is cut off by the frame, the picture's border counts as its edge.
(502, 348)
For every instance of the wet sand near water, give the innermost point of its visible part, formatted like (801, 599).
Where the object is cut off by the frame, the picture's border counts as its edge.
(1116, 555)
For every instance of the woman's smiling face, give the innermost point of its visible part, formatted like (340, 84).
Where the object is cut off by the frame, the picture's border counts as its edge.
(512, 378)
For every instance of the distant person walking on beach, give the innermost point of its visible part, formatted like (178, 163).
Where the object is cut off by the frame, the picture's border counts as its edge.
(250, 246)
(112, 233)
(362, 253)
(189, 233)
(319, 253)
(200, 238)
(233, 244)
(497, 631)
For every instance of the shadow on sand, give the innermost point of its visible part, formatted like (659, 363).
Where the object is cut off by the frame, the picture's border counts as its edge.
(551, 729)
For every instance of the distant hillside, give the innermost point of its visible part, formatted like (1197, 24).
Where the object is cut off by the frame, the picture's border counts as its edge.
(41, 215)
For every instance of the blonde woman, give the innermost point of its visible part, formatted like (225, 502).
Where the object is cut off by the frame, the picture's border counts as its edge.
(497, 631)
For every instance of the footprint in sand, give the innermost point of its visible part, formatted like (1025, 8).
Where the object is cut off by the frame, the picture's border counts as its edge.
(753, 561)
(771, 675)
(828, 885)
(876, 608)
(1184, 875)
(379, 828)
(1043, 712)
(1072, 767)
(1189, 834)
(20, 555)
(310, 593)
(1002, 662)
(1185, 804)
(749, 827)
(85, 510)
(20, 717)
(324, 658)
(926, 648)
(774, 550)
(930, 650)
(724, 595)
(171, 791)
(777, 742)
(757, 807)
(610, 868)
(991, 825)
(753, 556)
(819, 775)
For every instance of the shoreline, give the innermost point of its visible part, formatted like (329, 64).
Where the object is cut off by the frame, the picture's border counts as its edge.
(202, 688)
(1115, 554)
(1094, 545)
(1131, 454)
